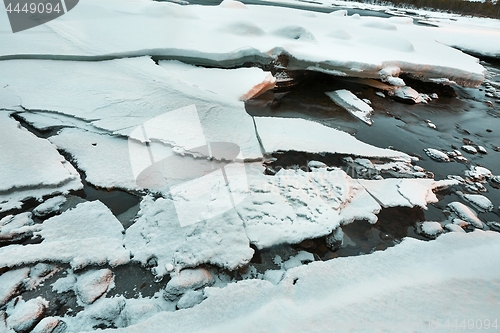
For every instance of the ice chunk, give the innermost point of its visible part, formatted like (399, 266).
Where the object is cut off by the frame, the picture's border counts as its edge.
(478, 173)
(454, 228)
(299, 259)
(238, 84)
(49, 325)
(407, 94)
(431, 229)
(190, 299)
(52, 205)
(187, 279)
(24, 315)
(88, 234)
(303, 135)
(31, 167)
(469, 149)
(295, 205)
(15, 227)
(38, 274)
(93, 284)
(452, 264)
(10, 282)
(350, 102)
(480, 201)
(402, 192)
(158, 235)
(465, 213)
(437, 155)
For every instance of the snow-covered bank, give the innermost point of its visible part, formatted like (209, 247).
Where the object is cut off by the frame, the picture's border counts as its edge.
(470, 34)
(232, 33)
(403, 289)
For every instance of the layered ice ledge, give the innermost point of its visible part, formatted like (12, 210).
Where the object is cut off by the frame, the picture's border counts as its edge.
(232, 33)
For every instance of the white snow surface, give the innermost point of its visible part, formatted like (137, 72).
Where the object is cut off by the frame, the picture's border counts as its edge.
(120, 95)
(86, 235)
(10, 282)
(355, 106)
(25, 314)
(49, 206)
(237, 84)
(227, 34)
(393, 192)
(403, 285)
(294, 205)
(158, 234)
(304, 135)
(31, 167)
(93, 284)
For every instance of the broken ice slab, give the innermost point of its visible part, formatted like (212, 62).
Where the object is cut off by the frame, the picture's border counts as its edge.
(350, 102)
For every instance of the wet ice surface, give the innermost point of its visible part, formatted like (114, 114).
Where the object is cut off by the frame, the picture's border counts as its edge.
(127, 257)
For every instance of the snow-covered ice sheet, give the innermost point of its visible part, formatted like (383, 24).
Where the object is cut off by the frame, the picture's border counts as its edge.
(471, 34)
(294, 205)
(86, 235)
(409, 284)
(31, 167)
(395, 192)
(238, 84)
(304, 135)
(157, 236)
(230, 35)
(350, 102)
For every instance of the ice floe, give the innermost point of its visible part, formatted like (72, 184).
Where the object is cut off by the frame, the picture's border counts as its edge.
(463, 212)
(10, 282)
(228, 36)
(443, 283)
(24, 315)
(350, 102)
(157, 239)
(31, 167)
(303, 135)
(86, 235)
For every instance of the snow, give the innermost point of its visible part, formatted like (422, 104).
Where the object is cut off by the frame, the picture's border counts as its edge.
(431, 229)
(157, 234)
(480, 201)
(469, 149)
(24, 315)
(86, 235)
(303, 135)
(120, 106)
(350, 102)
(227, 36)
(93, 284)
(15, 227)
(31, 167)
(10, 282)
(404, 192)
(294, 205)
(449, 276)
(47, 325)
(104, 158)
(437, 155)
(478, 173)
(50, 206)
(407, 94)
(237, 84)
(187, 279)
(465, 213)
(190, 299)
